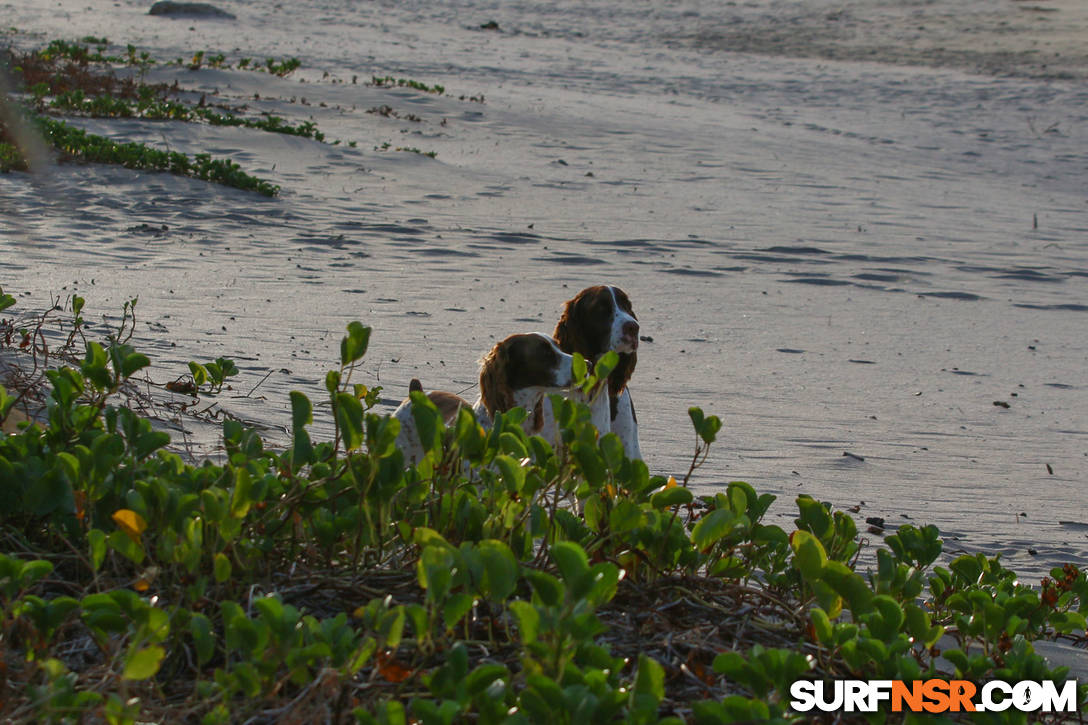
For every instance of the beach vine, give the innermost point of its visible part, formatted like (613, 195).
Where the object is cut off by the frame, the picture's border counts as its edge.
(500, 580)
(78, 78)
(60, 78)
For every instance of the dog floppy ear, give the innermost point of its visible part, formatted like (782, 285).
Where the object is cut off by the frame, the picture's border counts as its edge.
(495, 389)
(569, 335)
(617, 380)
(623, 371)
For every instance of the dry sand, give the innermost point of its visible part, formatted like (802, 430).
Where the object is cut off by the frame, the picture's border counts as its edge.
(846, 226)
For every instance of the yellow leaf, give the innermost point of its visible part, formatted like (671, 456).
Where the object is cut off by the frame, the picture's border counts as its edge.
(671, 482)
(130, 522)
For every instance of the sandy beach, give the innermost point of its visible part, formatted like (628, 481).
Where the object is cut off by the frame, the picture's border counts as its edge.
(847, 228)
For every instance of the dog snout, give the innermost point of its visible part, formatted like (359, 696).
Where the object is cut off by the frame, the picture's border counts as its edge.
(630, 332)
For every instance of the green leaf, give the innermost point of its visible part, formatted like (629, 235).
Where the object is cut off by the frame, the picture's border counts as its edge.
(528, 619)
(242, 497)
(650, 679)
(821, 625)
(149, 442)
(809, 555)
(221, 567)
(227, 368)
(33, 571)
(94, 367)
(513, 475)
(968, 568)
(593, 512)
(96, 541)
(606, 364)
(122, 543)
(435, 571)
(362, 655)
(850, 585)
(383, 431)
(706, 428)
(500, 569)
(354, 345)
(887, 619)
(512, 445)
(709, 430)
(919, 626)
(612, 449)
(732, 664)
(456, 607)
(578, 368)
(6, 402)
(713, 527)
(814, 516)
(349, 414)
(423, 537)
(199, 373)
(427, 419)
(467, 431)
(603, 579)
(571, 560)
(391, 712)
(542, 700)
(626, 516)
(302, 410)
(302, 451)
(201, 628)
(50, 492)
(590, 462)
(143, 663)
(232, 432)
(134, 362)
(481, 678)
(547, 588)
(675, 496)
(392, 627)
(417, 615)
(271, 610)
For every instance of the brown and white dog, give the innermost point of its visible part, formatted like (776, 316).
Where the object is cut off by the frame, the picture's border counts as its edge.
(519, 372)
(596, 320)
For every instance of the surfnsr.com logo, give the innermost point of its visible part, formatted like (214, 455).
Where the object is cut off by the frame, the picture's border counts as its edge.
(933, 696)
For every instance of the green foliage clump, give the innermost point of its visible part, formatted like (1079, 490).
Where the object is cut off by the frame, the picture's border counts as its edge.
(77, 90)
(391, 82)
(283, 67)
(75, 78)
(330, 582)
(385, 146)
(101, 95)
(80, 53)
(10, 158)
(85, 146)
(150, 107)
